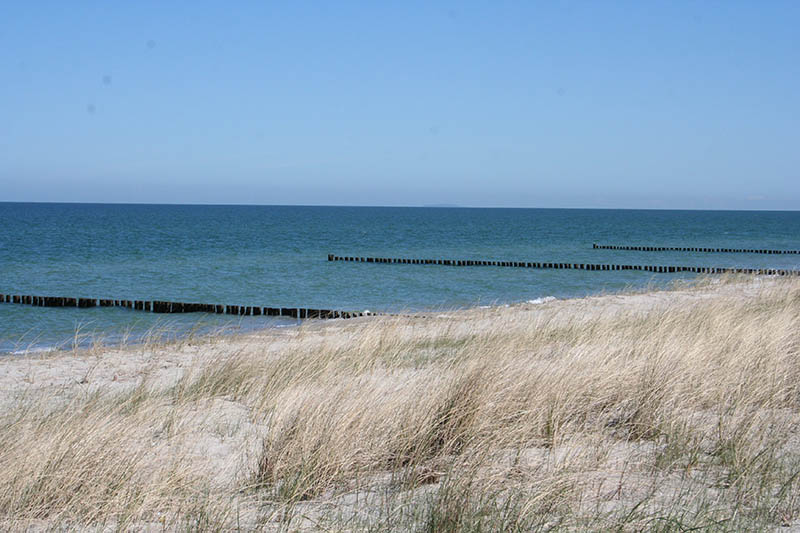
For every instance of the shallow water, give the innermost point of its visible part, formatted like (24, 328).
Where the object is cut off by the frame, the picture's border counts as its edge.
(277, 256)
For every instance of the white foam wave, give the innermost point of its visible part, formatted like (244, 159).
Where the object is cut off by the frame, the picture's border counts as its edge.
(542, 300)
(26, 351)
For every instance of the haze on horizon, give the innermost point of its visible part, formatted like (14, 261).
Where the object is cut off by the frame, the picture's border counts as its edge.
(514, 104)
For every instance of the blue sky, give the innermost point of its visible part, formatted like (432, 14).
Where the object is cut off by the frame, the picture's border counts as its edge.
(526, 104)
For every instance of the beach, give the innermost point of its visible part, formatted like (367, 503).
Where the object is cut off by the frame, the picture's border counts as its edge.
(635, 410)
(386, 267)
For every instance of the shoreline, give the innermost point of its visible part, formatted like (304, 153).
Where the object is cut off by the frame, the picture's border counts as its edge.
(689, 290)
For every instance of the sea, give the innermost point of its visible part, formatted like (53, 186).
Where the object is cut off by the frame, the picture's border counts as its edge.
(276, 256)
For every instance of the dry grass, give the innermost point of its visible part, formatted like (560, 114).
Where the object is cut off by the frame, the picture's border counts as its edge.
(659, 412)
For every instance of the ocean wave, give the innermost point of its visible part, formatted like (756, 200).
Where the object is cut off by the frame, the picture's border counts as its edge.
(542, 300)
(36, 349)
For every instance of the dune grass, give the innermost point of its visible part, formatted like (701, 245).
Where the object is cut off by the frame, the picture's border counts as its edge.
(666, 414)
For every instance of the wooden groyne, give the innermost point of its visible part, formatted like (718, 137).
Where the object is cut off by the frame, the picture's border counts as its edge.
(569, 266)
(685, 249)
(160, 306)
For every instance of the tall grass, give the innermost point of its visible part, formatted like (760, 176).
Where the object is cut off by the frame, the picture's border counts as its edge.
(666, 412)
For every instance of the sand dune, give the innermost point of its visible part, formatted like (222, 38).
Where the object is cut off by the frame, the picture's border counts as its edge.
(651, 410)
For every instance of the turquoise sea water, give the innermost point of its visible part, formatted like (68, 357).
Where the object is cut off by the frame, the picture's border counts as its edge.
(277, 256)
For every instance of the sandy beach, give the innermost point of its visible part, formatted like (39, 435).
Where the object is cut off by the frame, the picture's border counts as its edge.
(647, 410)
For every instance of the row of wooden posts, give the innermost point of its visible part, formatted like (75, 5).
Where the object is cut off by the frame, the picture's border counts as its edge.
(158, 306)
(572, 266)
(681, 249)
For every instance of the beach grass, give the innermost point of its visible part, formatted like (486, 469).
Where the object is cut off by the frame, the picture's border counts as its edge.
(666, 411)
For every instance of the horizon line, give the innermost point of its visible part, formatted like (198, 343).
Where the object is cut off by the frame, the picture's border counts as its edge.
(418, 206)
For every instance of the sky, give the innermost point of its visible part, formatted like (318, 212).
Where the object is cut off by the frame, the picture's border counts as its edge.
(688, 105)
